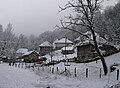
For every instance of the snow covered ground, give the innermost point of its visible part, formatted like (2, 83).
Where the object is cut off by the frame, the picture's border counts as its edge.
(58, 80)
(59, 56)
(12, 77)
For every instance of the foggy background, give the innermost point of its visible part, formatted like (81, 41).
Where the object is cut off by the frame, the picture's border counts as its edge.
(33, 16)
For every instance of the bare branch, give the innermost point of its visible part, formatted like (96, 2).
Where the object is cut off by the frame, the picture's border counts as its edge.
(68, 27)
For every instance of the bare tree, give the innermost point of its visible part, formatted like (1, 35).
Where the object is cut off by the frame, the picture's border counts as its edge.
(84, 13)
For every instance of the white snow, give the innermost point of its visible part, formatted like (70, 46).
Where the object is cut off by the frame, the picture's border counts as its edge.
(22, 50)
(63, 40)
(27, 53)
(59, 56)
(89, 34)
(11, 77)
(46, 43)
(93, 81)
(67, 48)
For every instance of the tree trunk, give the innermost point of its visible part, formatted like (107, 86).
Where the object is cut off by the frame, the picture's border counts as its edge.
(99, 53)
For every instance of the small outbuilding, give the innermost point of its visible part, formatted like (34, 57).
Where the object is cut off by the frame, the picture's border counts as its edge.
(31, 57)
(64, 42)
(86, 51)
(45, 48)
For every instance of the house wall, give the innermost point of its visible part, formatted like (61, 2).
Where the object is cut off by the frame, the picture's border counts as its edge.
(45, 50)
(33, 57)
(61, 45)
(67, 51)
(86, 51)
(19, 54)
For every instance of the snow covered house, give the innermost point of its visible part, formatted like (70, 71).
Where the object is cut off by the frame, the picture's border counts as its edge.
(31, 57)
(21, 51)
(109, 49)
(58, 44)
(86, 51)
(45, 48)
(82, 38)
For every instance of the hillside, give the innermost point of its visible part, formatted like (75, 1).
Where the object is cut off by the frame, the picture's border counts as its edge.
(25, 78)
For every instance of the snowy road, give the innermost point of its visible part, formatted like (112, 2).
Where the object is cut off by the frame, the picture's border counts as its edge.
(11, 77)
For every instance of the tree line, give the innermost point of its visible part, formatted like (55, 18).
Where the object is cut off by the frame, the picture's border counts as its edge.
(107, 24)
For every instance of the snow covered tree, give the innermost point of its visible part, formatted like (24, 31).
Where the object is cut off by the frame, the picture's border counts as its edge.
(22, 41)
(84, 13)
(32, 43)
(8, 41)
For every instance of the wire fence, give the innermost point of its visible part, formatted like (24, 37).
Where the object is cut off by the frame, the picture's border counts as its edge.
(89, 72)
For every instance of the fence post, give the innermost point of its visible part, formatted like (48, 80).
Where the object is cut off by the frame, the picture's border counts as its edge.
(15, 65)
(53, 70)
(19, 65)
(22, 65)
(100, 73)
(43, 68)
(33, 67)
(86, 72)
(57, 69)
(50, 69)
(38, 67)
(75, 70)
(117, 74)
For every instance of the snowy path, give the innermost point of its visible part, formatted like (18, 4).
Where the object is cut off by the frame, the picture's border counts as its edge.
(11, 77)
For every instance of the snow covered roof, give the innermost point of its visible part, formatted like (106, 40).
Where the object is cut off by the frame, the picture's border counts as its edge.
(85, 43)
(77, 39)
(63, 40)
(46, 43)
(67, 48)
(55, 41)
(88, 33)
(22, 50)
(27, 53)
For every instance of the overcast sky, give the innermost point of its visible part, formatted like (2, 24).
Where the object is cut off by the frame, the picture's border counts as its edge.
(32, 16)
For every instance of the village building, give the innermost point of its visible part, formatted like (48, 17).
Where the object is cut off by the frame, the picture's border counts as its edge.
(82, 38)
(31, 57)
(45, 48)
(64, 42)
(21, 51)
(86, 51)
(109, 49)
(68, 50)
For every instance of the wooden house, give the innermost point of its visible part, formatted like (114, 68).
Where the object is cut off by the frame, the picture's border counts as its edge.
(64, 42)
(86, 51)
(31, 57)
(45, 48)
(109, 49)
(82, 38)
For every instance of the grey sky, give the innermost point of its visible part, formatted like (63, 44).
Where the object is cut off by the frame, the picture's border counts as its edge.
(32, 16)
